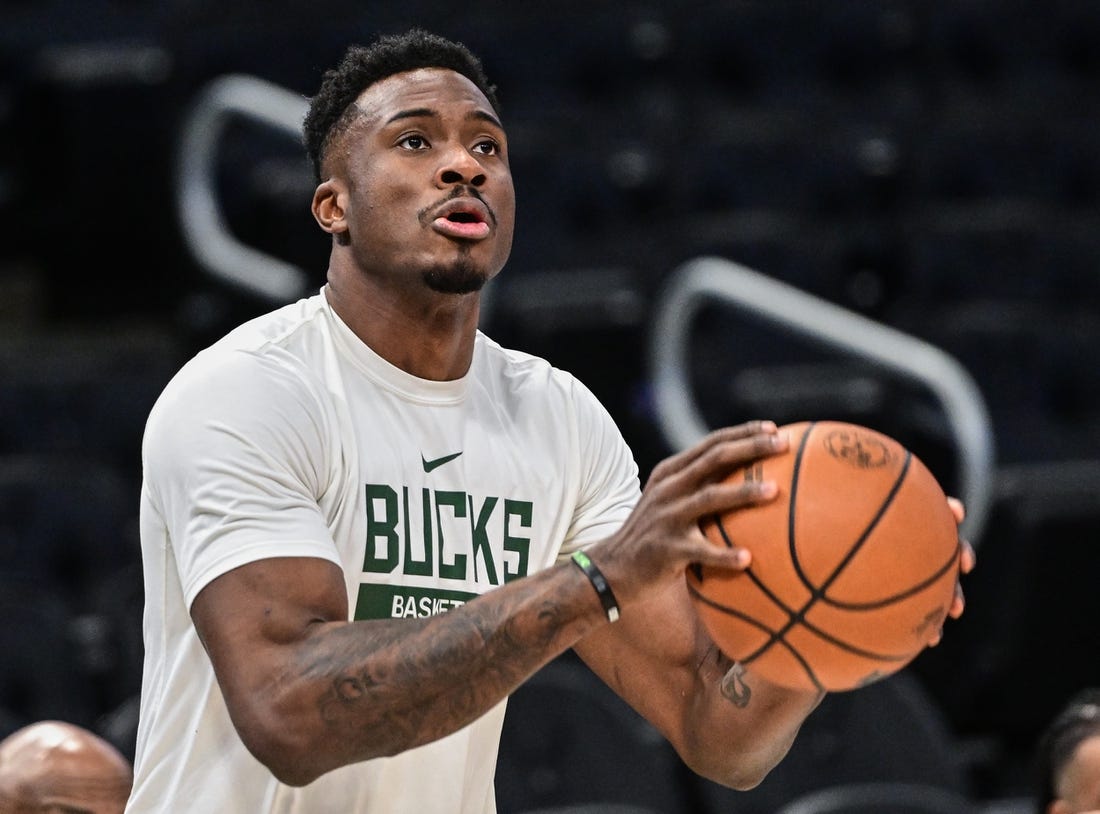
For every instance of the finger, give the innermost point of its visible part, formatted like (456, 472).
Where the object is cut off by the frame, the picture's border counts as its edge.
(726, 435)
(699, 487)
(726, 496)
(957, 509)
(714, 548)
(735, 558)
(719, 461)
(958, 603)
(968, 558)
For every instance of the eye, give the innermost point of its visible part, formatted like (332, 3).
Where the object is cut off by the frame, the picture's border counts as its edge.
(413, 142)
(487, 147)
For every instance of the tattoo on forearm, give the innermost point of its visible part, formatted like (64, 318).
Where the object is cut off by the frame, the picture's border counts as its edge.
(417, 685)
(734, 687)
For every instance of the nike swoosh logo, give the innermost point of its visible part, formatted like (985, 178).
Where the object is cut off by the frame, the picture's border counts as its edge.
(438, 462)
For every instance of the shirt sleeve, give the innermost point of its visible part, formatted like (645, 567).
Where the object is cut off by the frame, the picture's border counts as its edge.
(235, 459)
(609, 475)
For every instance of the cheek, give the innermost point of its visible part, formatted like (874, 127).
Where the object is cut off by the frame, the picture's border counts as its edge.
(506, 208)
(382, 209)
(506, 222)
(378, 183)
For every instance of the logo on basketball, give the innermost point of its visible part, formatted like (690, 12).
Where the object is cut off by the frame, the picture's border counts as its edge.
(859, 450)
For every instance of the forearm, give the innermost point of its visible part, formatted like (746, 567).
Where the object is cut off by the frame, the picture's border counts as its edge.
(725, 723)
(739, 726)
(358, 690)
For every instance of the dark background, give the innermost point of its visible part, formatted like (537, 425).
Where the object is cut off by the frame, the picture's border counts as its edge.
(932, 165)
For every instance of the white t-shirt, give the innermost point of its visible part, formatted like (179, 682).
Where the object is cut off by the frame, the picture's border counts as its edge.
(290, 437)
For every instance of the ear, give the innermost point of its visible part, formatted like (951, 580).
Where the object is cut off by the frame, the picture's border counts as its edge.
(329, 200)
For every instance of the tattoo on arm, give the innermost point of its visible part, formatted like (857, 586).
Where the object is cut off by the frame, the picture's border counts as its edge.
(734, 687)
(732, 682)
(418, 680)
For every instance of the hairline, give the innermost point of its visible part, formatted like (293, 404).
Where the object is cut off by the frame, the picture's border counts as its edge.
(355, 113)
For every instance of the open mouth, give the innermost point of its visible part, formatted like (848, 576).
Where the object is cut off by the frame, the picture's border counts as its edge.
(464, 217)
(461, 225)
(462, 220)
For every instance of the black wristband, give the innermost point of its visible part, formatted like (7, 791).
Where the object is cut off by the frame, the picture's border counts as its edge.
(599, 582)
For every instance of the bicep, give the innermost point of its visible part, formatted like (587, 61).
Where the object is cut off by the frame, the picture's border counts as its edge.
(251, 618)
(236, 465)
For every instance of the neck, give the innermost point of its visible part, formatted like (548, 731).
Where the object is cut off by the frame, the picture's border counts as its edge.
(431, 337)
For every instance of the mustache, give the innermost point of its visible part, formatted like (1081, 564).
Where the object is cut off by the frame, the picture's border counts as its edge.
(460, 191)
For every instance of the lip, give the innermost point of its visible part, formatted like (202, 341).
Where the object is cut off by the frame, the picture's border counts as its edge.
(474, 226)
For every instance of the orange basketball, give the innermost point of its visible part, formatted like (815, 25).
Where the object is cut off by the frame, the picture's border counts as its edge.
(853, 564)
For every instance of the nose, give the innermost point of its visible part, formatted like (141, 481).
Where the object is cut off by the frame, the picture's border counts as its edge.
(459, 167)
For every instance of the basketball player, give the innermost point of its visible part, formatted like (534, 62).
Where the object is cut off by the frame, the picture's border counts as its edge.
(51, 766)
(360, 514)
(1068, 758)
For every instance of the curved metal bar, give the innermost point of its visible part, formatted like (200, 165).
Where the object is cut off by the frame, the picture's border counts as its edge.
(205, 229)
(713, 278)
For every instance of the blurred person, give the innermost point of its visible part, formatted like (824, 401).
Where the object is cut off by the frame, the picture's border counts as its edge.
(364, 523)
(1068, 758)
(52, 767)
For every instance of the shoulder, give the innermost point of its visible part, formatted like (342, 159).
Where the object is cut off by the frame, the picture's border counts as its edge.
(528, 375)
(263, 354)
(257, 379)
(555, 405)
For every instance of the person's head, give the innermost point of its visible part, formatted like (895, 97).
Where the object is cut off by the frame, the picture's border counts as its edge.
(411, 162)
(51, 767)
(1068, 758)
(332, 109)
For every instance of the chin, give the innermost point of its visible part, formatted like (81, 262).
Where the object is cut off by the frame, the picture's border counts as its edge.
(461, 277)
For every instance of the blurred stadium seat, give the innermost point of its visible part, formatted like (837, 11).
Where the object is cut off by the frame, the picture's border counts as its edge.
(569, 741)
(892, 731)
(879, 798)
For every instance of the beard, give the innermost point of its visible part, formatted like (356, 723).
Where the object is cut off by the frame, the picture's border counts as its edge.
(459, 277)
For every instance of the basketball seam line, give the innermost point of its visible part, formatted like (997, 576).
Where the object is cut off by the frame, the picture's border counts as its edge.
(816, 593)
(799, 616)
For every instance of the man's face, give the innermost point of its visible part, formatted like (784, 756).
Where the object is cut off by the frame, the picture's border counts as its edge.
(429, 194)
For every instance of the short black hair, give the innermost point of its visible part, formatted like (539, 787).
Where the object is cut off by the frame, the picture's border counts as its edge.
(1076, 722)
(331, 110)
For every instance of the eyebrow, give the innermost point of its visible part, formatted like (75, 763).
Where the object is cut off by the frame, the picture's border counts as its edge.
(427, 112)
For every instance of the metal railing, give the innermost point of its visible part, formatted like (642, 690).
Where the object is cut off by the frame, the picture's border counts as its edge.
(709, 279)
(205, 229)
